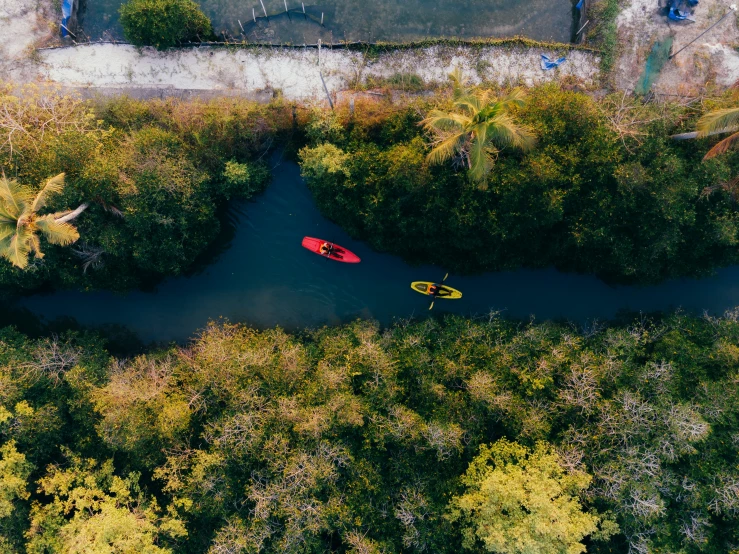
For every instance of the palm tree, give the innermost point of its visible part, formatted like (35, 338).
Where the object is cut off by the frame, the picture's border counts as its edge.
(478, 129)
(21, 224)
(717, 122)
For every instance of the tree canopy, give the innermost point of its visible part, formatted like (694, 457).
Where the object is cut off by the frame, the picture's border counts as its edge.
(164, 23)
(154, 177)
(519, 501)
(423, 437)
(600, 194)
(480, 125)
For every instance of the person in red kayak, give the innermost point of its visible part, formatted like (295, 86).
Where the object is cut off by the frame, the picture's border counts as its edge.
(327, 248)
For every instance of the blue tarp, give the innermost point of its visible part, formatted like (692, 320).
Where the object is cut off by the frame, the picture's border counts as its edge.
(66, 15)
(547, 63)
(579, 4)
(677, 15)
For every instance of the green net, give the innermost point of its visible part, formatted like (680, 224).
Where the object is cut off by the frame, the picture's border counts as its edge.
(656, 60)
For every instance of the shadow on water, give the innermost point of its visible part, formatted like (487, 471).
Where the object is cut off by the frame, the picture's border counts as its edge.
(265, 278)
(119, 339)
(229, 216)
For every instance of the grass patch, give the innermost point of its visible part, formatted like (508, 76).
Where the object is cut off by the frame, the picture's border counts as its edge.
(604, 35)
(405, 81)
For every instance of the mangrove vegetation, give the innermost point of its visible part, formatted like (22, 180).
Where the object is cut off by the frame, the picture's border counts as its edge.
(436, 436)
(153, 176)
(605, 190)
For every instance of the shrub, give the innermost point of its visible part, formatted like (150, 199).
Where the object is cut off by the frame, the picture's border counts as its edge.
(155, 173)
(243, 179)
(164, 23)
(409, 82)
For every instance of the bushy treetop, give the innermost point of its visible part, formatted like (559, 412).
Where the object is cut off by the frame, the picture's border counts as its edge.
(164, 23)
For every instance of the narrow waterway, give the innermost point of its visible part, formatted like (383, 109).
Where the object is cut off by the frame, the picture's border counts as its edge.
(265, 278)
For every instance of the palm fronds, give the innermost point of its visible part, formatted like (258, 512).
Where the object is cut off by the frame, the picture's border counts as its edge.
(459, 83)
(56, 232)
(55, 185)
(91, 256)
(13, 196)
(719, 121)
(21, 225)
(726, 120)
(447, 147)
(16, 248)
(480, 126)
(722, 146)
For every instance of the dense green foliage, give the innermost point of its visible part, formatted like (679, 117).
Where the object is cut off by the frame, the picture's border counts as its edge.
(357, 440)
(606, 191)
(155, 175)
(164, 23)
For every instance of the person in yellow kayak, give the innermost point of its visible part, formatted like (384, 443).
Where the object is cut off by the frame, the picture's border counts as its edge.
(437, 290)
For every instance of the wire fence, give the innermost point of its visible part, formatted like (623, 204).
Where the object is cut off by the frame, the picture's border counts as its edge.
(228, 39)
(358, 45)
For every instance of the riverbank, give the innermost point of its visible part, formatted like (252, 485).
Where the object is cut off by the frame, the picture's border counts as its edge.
(265, 278)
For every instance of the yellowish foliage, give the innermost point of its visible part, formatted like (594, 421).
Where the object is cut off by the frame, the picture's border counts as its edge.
(94, 511)
(14, 472)
(21, 225)
(325, 159)
(522, 501)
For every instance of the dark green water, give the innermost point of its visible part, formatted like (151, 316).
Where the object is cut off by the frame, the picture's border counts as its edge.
(265, 278)
(385, 20)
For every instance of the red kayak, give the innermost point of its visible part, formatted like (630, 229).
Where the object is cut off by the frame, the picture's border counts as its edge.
(338, 253)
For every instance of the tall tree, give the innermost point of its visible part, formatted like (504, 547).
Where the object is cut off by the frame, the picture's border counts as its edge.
(717, 122)
(94, 511)
(21, 224)
(520, 501)
(481, 125)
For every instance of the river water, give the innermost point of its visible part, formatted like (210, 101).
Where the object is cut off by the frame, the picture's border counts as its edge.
(265, 278)
(353, 20)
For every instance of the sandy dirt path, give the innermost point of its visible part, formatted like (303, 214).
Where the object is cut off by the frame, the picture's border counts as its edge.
(296, 73)
(258, 73)
(24, 24)
(712, 63)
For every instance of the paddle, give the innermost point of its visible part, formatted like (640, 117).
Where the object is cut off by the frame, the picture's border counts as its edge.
(434, 298)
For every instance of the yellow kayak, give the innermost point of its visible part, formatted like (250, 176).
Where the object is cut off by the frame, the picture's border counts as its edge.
(446, 292)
